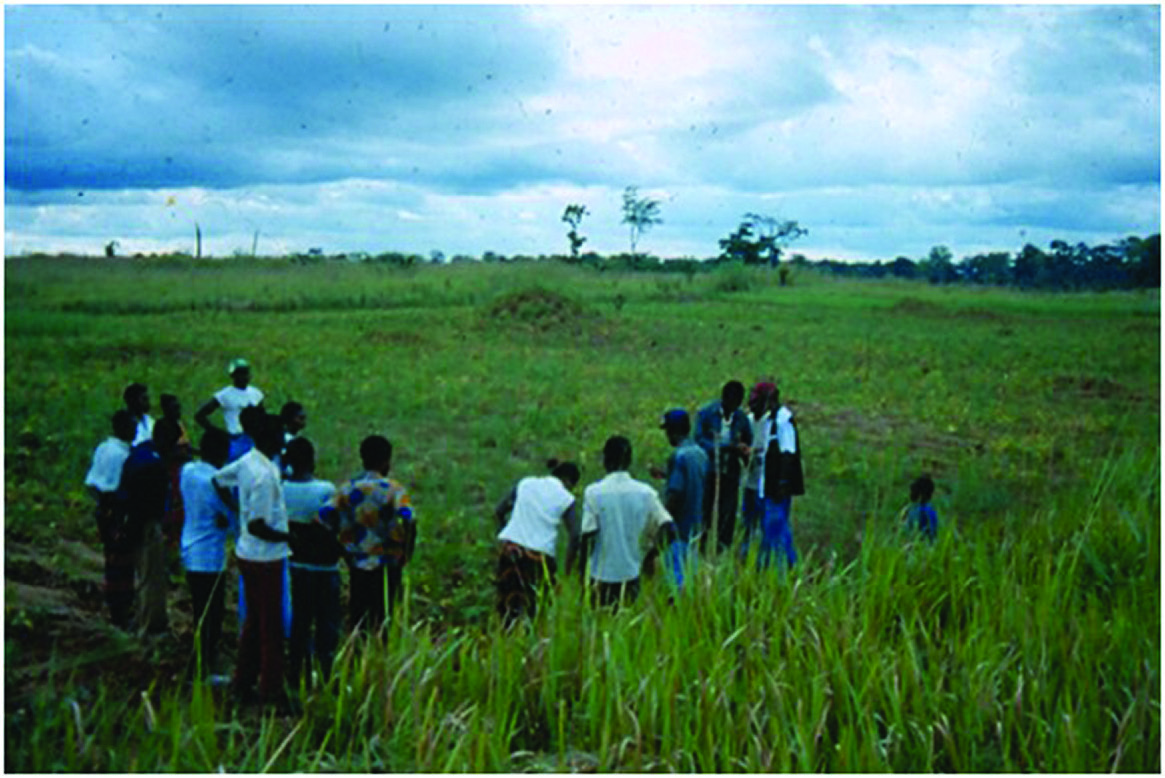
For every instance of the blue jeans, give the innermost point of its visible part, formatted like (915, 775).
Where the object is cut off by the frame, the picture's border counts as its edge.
(751, 511)
(776, 532)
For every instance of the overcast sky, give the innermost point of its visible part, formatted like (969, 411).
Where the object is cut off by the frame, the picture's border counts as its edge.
(882, 130)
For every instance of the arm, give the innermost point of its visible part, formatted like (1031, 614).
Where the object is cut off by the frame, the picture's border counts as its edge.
(505, 507)
(570, 520)
(586, 545)
(264, 531)
(202, 415)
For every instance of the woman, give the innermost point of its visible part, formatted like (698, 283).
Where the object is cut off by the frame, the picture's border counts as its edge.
(532, 514)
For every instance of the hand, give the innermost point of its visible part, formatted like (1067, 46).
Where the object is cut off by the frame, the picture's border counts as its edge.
(221, 521)
(657, 473)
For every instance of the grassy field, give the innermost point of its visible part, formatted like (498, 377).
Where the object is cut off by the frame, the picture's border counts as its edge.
(1026, 639)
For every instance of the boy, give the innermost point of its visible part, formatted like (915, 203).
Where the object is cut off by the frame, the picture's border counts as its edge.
(782, 479)
(144, 493)
(619, 514)
(232, 399)
(373, 518)
(137, 401)
(687, 476)
(723, 431)
(920, 515)
(204, 535)
(315, 568)
(758, 416)
(103, 479)
(261, 552)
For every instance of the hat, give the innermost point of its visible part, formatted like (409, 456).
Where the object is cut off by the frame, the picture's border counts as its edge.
(237, 364)
(762, 389)
(676, 417)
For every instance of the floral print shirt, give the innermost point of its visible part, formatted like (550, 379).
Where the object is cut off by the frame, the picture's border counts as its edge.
(373, 519)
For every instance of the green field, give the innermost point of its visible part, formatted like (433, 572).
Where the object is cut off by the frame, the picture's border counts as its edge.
(1026, 639)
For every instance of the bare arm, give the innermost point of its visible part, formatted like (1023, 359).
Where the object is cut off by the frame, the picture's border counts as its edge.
(505, 507)
(202, 415)
(264, 531)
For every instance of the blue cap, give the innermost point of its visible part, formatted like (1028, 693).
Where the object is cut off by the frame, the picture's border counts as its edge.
(676, 417)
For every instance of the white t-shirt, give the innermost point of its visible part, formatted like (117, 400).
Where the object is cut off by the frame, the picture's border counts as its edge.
(538, 509)
(626, 513)
(203, 541)
(260, 497)
(233, 400)
(105, 473)
(305, 498)
(760, 442)
(145, 429)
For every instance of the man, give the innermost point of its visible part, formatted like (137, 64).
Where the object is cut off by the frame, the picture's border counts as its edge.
(232, 399)
(759, 416)
(687, 475)
(137, 401)
(373, 518)
(783, 479)
(619, 515)
(723, 431)
(143, 495)
(102, 480)
(261, 552)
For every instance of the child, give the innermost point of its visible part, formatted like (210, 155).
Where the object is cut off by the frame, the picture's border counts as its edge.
(137, 401)
(204, 534)
(531, 515)
(260, 551)
(315, 567)
(103, 479)
(920, 515)
(232, 399)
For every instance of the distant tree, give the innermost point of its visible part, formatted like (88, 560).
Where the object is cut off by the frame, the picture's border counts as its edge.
(573, 215)
(938, 266)
(641, 213)
(903, 267)
(436, 257)
(759, 240)
(991, 268)
(111, 249)
(1029, 266)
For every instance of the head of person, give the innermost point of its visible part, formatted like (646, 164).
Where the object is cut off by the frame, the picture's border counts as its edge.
(215, 447)
(567, 472)
(240, 372)
(137, 399)
(922, 489)
(677, 425)
(251, 420)
(125, 426)
(294, 417)
(731, 396)
(267, 434)
(300, 456)
(165, 437)
(376, 454)
(171, 408)
(617, 454)
(758, 398)
(774, 398)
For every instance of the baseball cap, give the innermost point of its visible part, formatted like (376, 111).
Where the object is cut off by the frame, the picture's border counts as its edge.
(762, 389)
(237, 364)
(676, 417)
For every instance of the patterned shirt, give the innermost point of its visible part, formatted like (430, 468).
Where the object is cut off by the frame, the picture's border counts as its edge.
(372, 517)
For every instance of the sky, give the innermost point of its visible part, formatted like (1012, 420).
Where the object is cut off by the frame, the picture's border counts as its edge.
(882, 130)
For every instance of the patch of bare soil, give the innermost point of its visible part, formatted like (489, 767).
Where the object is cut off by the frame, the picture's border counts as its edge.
(540, 310)
(1092, 389)
(912, 306)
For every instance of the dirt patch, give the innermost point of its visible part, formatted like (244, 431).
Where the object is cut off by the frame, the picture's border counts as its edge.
(540, 309)
(1091, 388)
(396, 338)
(912, 306)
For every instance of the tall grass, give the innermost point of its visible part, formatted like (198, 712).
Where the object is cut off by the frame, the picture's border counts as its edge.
(1033, 650)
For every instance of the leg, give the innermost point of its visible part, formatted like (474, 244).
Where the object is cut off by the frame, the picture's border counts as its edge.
(729, 497)
(776, 532)
(750, 515)
(152, 580)
(247, 663)
(301, 616)
(362, 590)
(393, 589)
(327, 619)
(200, 585)
(270, 618)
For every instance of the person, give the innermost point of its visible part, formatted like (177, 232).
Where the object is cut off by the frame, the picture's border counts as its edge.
(102, 480)
(294, 420)
(920, 515)
(529, 518)
(758, 417)
(686, 477)
(620, 514)
(143, 494)
(782, 479)
(372, 516)
(203, 546)
(261, 551)
(232, 399)
(137, 401)
(175, 512)
(315, 568)
(723, 431)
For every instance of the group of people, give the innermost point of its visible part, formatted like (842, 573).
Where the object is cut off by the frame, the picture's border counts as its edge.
(254, 480)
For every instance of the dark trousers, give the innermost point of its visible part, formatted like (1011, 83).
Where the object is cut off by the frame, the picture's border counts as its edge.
(372, 595)
(608, 594)
(520, 578)
(119, 565)
(729, 496)
(315, 622)
(207, 595)
(261, 644)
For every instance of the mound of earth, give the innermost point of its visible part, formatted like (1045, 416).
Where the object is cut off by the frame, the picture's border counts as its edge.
(539, 309)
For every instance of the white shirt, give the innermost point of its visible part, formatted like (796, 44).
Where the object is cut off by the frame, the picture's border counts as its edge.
(538, 509)
(784, 434)
(260, 497)
(233, 400)
(203, 541)
(305, 498)
(145, 429)
(760, 442)
(625, 512)
(105, 472)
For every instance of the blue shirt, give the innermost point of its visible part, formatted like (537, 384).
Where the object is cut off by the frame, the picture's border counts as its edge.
(924, 519)
(687, 470)
(710, 422)
(203, 541)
